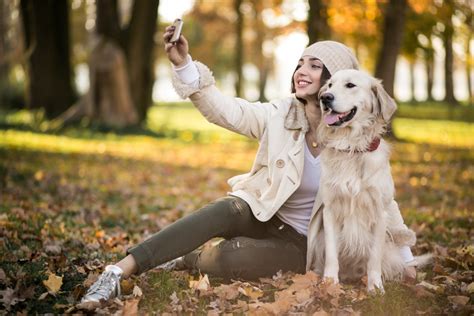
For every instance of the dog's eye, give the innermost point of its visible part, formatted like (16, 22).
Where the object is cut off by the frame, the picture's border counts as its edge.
(350, 85)
(330, 85)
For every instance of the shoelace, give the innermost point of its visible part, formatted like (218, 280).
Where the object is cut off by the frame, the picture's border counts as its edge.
(104, 283)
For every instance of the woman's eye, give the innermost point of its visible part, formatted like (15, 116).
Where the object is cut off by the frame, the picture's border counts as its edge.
(315, 66)
(350, 85)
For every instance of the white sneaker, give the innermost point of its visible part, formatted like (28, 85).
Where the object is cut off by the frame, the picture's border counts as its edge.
(105, 288)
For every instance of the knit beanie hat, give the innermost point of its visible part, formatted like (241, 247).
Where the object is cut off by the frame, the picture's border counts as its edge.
(335, 56)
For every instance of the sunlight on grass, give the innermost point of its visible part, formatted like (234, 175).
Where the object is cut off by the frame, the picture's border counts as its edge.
(450, 133)
(236, 154)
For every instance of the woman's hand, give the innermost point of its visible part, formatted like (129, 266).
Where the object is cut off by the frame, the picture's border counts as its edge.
(177, 52)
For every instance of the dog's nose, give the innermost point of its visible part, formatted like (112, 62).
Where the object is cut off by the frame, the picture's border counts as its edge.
(326, 99)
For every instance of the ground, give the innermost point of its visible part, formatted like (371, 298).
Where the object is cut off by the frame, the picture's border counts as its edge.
(71, 202)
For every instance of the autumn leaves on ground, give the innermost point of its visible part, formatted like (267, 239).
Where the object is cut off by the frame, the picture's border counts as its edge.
(72, 202)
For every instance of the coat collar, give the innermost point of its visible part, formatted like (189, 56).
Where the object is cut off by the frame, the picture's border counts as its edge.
(296, 117)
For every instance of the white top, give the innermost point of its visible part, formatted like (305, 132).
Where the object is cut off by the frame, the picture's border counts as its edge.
(296, 211)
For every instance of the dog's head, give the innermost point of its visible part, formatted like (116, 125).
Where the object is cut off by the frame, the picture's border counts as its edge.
(352, 97)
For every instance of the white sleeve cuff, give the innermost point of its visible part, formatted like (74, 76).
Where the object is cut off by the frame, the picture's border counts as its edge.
(188, 73)
(407, 256)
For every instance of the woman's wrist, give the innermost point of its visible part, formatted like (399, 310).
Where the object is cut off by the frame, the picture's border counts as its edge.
(187, 72)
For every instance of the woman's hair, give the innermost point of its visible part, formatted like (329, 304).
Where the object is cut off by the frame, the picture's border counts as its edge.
(325, 75)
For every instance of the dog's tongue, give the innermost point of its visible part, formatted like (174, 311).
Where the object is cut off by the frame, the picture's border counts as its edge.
(331, 118)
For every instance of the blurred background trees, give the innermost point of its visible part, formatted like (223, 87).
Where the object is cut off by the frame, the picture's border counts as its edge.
(99, 60)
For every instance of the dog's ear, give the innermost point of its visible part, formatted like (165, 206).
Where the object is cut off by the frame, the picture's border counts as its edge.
(383, 103)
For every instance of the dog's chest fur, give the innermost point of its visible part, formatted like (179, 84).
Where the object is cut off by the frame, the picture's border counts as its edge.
(353, 189)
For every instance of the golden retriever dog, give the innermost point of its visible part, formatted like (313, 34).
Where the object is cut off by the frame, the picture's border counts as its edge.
(362, 226)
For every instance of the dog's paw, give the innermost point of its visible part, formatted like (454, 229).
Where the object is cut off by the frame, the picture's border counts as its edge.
(374, 283)
(331, 276)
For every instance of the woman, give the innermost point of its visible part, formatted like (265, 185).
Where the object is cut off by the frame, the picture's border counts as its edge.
(265, 218)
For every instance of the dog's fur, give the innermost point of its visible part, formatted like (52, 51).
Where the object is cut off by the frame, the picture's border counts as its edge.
(356, 184)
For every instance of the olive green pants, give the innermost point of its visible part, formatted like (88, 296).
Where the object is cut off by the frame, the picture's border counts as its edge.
(250, 249)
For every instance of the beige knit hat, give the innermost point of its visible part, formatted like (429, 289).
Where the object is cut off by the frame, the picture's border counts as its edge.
(335, 56)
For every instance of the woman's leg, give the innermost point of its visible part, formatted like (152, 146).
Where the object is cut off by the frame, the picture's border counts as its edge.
(226, 217)
(248, 258)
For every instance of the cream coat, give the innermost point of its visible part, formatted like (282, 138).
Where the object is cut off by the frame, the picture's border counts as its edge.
(280, 128)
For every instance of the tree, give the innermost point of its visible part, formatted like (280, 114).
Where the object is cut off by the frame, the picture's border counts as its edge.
(120, 67)
(446, 14)
(392, 30)
(239, 48)
(46, 33)
(317, 23)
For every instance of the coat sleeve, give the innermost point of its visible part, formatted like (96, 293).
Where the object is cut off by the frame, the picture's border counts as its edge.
(235, 114)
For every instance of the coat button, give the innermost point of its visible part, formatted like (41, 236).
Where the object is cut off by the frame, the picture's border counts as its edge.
(280, 163)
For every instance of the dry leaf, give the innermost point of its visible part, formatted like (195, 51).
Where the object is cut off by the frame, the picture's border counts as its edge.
(421, 292)
(53, 283)
(9, 298)
(429, 286)
(321, 313)
(137, 292)
(130, 308)
(227, 291)
(459, 300)
(470, 288)
(250, 291)
(202, 284)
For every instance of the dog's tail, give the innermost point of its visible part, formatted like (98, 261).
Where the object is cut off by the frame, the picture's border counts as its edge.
(421, 261)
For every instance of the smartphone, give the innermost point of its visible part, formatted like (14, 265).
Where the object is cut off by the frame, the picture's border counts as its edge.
(178, 25)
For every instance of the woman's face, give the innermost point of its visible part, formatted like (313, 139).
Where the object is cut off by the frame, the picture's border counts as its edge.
(307, 78)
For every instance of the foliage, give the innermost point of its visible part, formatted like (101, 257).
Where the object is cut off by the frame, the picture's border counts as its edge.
(72, 202)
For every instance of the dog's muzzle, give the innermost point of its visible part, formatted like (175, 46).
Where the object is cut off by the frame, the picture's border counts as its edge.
(326, 100)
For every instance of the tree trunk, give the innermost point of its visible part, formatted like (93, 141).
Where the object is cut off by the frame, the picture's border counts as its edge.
(46, 32)
(469, 66)
(394, 23)
(262, 60)
(239, 48)
(412, 79)
(109, 86)
(4, 64)
(139, 51)
(317, 23)
(448, 66)
(429, 66)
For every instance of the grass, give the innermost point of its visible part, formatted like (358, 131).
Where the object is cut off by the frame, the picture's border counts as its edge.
(93, 194)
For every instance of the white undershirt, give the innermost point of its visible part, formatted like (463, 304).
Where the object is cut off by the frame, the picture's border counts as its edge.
(296, 211)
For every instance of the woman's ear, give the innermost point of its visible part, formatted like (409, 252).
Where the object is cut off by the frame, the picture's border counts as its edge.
(383, 103)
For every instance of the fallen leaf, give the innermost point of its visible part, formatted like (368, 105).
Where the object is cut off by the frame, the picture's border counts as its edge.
(470, 288)
(53, 283)
(429, 286)
(3, 276)
(202, 284)
(130, 308)
(321, 313)
(227, 291)
(459, 300)
(9, 298)
(421, 292)
(250, 291)
(137, 292)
